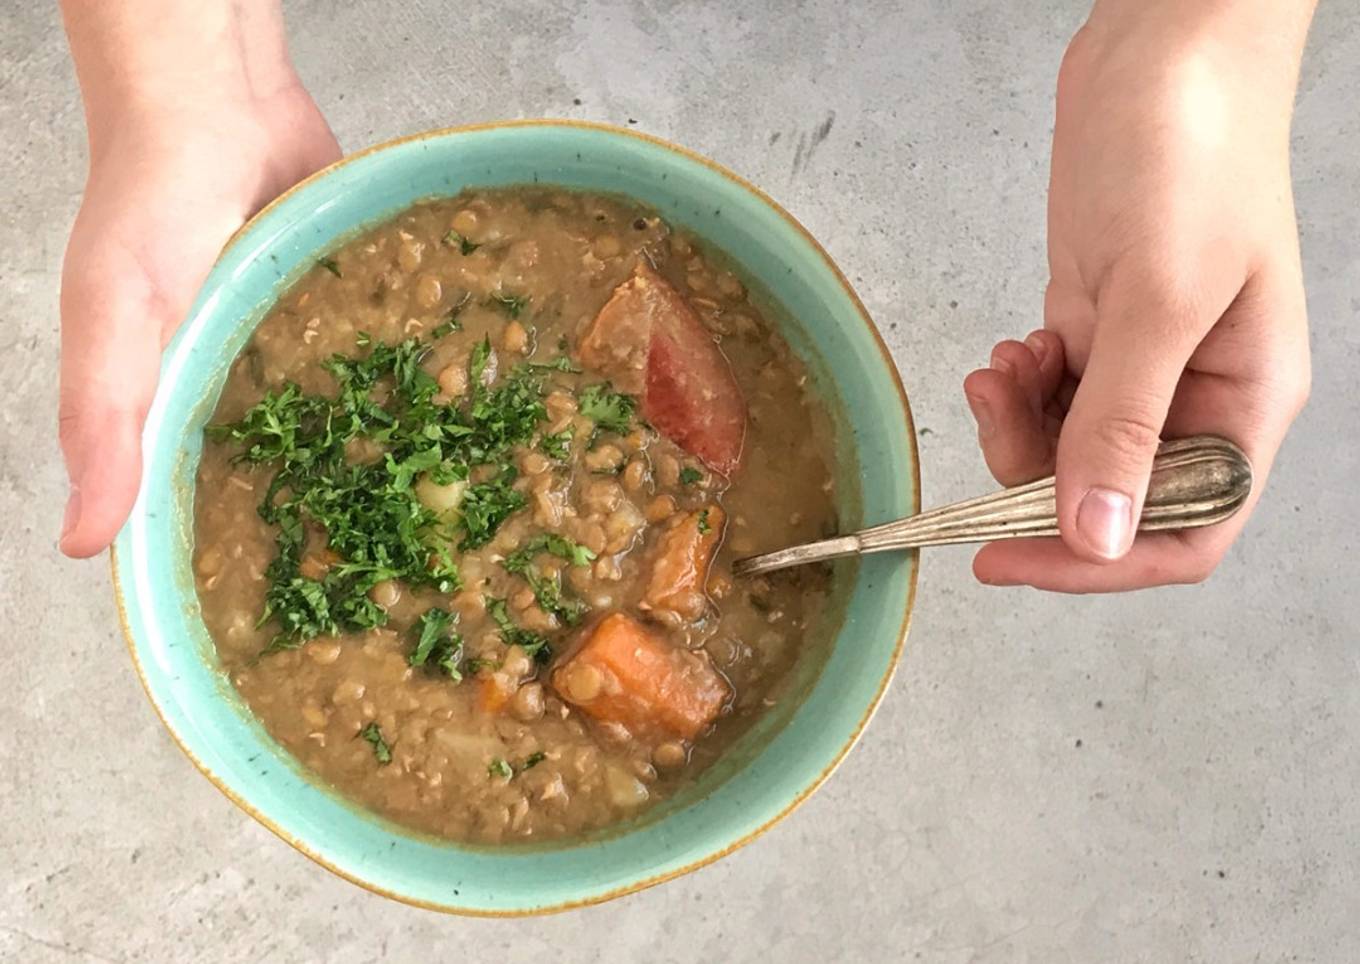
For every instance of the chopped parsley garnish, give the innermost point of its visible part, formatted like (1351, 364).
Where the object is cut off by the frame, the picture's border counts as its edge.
(689, 475)
(607, 408)
(561, 363)
(373, 736)
(532, 643)
(271, 428)
(556, 446)
(455, 240)
(363, 339)
(477, 361)
(451, 322)
(477, 663)
(512, 305)
(366, 512)
(548, 590)
(499, 767)
(554, 544)
(486, 505)
(704, 527)
(331, 265)
(548, 593)
(438, 643)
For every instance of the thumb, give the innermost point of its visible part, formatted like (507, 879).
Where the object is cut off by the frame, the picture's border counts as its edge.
(110, 358)
(1113, 428)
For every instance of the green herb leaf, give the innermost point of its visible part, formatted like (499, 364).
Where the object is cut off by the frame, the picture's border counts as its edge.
(455, 240)
(609, 409)
(506, 771)
(447, 326)
(561, 363)
(481, 354)
(451, 323)
(512, 305)
(373, 735)
(273, 426)
(367, 508)
(472, 666)
(557, 446)
(689, 475)
(403, 471)
(548, 591)
(363, 339)
(331, 265)
(553, 543)
(439, 643)
(704, 527)
(532, 643)
(486, 505)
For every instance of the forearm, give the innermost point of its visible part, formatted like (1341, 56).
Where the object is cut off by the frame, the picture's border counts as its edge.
(136, 58)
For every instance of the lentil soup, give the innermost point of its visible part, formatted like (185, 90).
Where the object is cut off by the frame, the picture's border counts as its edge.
(464, 521)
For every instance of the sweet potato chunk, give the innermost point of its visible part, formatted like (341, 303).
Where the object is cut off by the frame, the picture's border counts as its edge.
(680, 563)
(649, 342)
(624, 673)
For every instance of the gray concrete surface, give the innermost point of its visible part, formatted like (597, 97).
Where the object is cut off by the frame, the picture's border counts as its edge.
(1163, 776)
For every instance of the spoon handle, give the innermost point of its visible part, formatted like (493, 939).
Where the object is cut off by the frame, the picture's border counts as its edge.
(1195, 482)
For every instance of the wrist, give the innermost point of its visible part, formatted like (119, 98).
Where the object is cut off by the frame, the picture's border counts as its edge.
(149, 67)
(1269, 35)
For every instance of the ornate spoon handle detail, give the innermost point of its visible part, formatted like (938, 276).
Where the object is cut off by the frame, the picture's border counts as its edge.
(1196, 481)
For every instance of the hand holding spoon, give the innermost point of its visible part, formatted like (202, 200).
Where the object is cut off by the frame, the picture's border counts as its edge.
(1196, 481)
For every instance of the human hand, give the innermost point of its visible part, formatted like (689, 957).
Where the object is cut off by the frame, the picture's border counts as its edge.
(168, 185)
(1175, 303)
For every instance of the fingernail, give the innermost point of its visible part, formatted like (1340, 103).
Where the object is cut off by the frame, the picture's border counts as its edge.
(1039, 346)
(68, 522)
(982, 413)
(998, 582)
(1105, 522)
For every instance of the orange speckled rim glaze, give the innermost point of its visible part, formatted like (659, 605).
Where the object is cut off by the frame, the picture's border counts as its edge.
(812, 787)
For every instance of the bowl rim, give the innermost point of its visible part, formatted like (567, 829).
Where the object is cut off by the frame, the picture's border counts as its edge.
(646, 882)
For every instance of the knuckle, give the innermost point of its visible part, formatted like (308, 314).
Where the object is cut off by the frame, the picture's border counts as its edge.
(1172, 313)
(68, 423)
(1128, 433)
(1281, 395)
(1075, 59)
(1298, 387)
(1160, 300)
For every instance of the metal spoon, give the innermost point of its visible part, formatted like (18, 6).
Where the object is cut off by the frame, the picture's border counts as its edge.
(1196, 481)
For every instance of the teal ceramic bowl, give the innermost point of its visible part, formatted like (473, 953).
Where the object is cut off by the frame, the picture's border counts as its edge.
(771, 770)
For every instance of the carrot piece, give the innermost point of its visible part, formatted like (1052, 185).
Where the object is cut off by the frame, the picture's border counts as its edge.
(680, 563)
(492, 695)
(624, 673)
